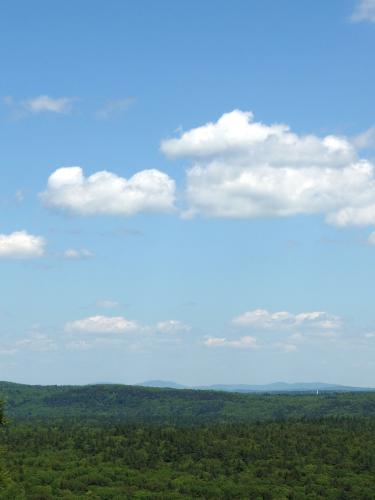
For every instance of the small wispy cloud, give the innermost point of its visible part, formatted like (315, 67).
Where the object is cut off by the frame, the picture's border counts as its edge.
(45, 103)
(262, 319)
(371, 238)
(246, 342)
(114, 107)
(172, 326)
(8, 351)
(78, 345)
(39, 104)
(37, 342)
(102, 324)
(19, 196)
(287, 346)
(364, 11)
(77, 254)
(365, 140)
(106, 304)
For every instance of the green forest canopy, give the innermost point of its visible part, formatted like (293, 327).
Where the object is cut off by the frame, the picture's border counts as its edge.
(113, 441)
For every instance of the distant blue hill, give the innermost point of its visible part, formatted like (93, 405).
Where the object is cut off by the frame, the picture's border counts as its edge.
(163, 384)
(262, 388)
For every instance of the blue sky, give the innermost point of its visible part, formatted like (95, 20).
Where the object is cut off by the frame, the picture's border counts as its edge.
(187, 191)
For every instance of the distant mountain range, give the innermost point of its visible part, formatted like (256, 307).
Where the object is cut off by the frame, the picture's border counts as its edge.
(263, 388)
(167, 384)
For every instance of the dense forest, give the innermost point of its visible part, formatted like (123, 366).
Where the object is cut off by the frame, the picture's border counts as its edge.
(325, 459)
(123, 442)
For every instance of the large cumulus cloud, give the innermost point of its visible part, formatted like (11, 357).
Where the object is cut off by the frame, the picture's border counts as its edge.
(245, 169)
(106, 193)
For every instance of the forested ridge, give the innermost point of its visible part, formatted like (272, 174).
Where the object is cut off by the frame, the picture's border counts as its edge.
(134, 404)
(125, 442)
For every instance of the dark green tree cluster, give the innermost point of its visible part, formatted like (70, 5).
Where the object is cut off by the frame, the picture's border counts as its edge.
(8, 489)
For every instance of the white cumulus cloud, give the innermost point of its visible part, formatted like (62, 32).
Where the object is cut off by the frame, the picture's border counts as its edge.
(21, 245)
(237, 136)
(108, 194)
(102, 324)
(246, 169)
(262, 319)
(246, 342)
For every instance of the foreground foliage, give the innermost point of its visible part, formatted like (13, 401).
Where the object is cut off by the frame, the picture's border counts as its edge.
(315, 459)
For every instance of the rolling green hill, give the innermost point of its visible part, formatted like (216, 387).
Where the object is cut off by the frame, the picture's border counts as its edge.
(134, 404)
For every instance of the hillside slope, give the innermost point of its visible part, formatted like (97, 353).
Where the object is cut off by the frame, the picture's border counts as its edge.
(134, 404)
